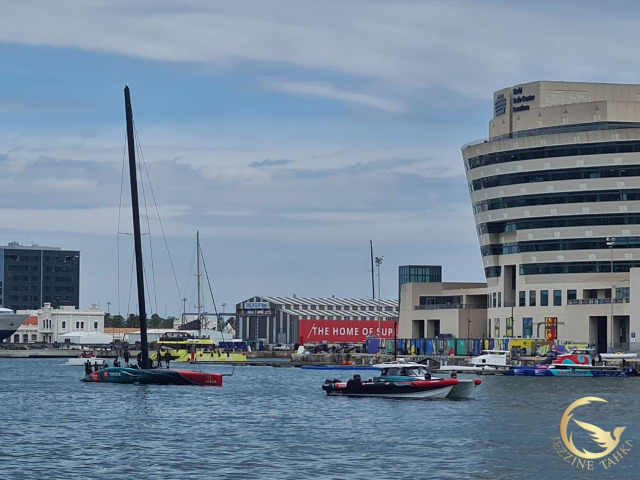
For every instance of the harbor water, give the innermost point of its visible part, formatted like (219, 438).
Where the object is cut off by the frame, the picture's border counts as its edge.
(270, 422)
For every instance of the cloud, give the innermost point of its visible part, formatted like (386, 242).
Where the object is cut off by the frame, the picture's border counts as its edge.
(326, 90)
(384, 54)
(269, 163)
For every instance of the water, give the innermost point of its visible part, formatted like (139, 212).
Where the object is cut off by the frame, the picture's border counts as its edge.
(277, 423)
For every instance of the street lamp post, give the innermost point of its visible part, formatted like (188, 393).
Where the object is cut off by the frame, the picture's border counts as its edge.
(378, 263)
(611, 242)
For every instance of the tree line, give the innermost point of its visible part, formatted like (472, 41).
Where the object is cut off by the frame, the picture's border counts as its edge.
(133, 321)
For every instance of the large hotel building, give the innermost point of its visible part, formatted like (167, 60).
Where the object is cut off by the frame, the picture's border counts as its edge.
(555, 192)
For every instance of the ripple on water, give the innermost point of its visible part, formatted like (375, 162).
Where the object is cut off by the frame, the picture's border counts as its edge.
(277, 423)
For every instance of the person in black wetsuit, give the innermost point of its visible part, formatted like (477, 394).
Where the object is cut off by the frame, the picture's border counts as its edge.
(87, 368)
(454, 374)
(167, 358)
(139, 360)
(126, 356)
(95, 366)
(355, 382)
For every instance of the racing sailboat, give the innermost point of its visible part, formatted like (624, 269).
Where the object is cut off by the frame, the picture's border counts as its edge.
(145, 374)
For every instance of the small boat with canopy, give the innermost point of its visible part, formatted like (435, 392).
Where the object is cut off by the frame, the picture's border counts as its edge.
(402, 380)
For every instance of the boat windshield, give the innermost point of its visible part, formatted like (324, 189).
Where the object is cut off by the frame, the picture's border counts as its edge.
(405, 372)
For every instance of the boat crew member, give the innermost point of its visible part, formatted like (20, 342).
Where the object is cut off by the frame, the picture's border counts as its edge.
(95, 366)
(87, 368)
(454, 374)
(139, 359)
(126, 356)
(159, 357)
(354, 382)
(167, 358)
(116, 362)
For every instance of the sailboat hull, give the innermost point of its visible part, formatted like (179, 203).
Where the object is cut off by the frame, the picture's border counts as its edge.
(154, 377)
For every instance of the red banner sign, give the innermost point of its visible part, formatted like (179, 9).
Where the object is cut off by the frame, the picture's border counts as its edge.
(343, 330)
(551, 328)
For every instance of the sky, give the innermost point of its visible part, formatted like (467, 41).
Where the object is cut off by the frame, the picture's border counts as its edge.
(289, 133)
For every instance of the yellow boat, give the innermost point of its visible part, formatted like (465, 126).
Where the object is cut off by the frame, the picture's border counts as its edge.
(185, 347)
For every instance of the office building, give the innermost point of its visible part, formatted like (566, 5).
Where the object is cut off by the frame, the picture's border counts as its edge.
(555, 192)
(290, 320)
(33, 275)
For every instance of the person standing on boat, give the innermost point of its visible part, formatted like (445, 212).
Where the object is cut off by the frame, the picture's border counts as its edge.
(87, 367)
(167, 358)
(126, 356)
(139, 359)
(95, 366)
(159, 357)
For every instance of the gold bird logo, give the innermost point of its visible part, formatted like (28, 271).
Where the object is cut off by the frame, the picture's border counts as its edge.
(604, 439)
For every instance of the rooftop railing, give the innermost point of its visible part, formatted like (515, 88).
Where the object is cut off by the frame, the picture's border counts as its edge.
(446, 306)
(598, 301)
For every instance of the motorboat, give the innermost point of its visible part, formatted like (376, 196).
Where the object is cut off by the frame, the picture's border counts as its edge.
(9, 322)
(82, 359)
(187, 347)
(467, 369)
(618, 356)
(497, 359)
(577, 363)
(402, 380)
(338, 367)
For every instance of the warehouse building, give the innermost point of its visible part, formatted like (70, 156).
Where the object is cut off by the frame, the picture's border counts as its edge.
(290, 320)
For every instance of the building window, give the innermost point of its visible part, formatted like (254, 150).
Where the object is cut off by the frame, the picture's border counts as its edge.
(571, 295)
(497, 327)
(622, 292)
(64, 325)
(557, 298)
(532, 298)
(95, 325)
(82, 325)
(527, 327)
(494, 297)
(509, 327)
(544, 298)
(499, 299)
(522, 299)
(77, 325)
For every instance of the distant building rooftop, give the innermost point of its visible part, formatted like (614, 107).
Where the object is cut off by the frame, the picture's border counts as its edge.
(18, 246)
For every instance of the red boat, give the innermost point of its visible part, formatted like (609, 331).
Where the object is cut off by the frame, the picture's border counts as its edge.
(155, 377)
(402, 380)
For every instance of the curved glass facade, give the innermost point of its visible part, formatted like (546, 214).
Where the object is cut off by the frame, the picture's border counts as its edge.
(555, 245)
(559, 222)
(618, 171)
(556, 199)
(574, 150)
(577, 267)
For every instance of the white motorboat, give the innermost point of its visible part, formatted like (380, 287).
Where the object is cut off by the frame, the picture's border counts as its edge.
(492, 358)
(467, 369)
(618, 356)
(82, 359)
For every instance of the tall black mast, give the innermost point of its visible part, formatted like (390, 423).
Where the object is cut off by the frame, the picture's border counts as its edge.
(136, 227)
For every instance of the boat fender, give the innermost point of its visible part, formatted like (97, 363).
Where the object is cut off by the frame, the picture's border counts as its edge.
(477, 381)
